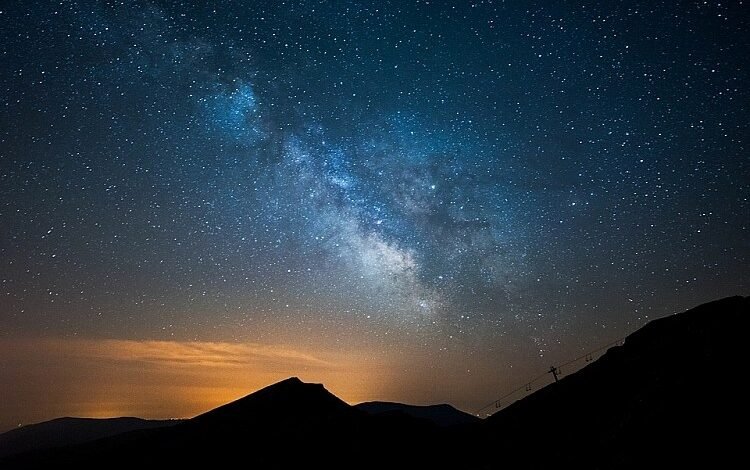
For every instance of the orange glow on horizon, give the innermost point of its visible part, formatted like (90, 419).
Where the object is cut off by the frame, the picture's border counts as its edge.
(163, 379)
(46, 378)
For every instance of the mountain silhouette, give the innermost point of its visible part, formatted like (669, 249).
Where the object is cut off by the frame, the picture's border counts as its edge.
(68, 431)
(670, 396)
(441, 415)
(667, 396)
(290, 401)
(285, 425)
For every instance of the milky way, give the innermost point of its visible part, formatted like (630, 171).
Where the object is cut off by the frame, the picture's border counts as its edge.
(501, 182)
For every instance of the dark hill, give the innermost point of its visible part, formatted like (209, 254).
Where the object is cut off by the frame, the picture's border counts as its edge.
(670, 395)
(287, 403)
(441, 415)
(68, 431)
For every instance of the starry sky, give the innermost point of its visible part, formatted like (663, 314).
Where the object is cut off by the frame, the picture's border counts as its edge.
(421, 201)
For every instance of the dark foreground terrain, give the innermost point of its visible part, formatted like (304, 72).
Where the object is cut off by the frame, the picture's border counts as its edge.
(668, 396)
(63, 432)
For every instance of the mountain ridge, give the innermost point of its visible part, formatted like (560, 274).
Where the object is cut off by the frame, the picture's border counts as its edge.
(441, 414)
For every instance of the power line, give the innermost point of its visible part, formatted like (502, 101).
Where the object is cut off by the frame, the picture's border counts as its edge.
(555, 370)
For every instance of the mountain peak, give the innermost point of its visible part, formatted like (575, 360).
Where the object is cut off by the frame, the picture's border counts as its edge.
(290, 380)
(291, 397)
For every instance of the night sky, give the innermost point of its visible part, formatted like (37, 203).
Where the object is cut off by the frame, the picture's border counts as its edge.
(420, 201)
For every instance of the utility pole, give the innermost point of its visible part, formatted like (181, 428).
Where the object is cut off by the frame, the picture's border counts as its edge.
(553, 370)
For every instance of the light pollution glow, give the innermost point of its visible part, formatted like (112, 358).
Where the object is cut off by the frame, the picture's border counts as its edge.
(157, 379)
(44, 378)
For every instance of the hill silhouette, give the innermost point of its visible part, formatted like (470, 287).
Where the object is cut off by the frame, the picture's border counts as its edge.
(68, 431)
(666, 397)
(289, 402)
(285, 425)
(441, 415)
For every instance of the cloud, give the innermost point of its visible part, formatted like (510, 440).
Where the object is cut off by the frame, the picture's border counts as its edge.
(195, 353)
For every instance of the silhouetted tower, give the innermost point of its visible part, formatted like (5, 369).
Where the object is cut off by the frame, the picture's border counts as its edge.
(554, 370)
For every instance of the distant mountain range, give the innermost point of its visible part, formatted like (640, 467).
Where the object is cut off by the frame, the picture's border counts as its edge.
(670, 396)
(441, 415)
(62, 432)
